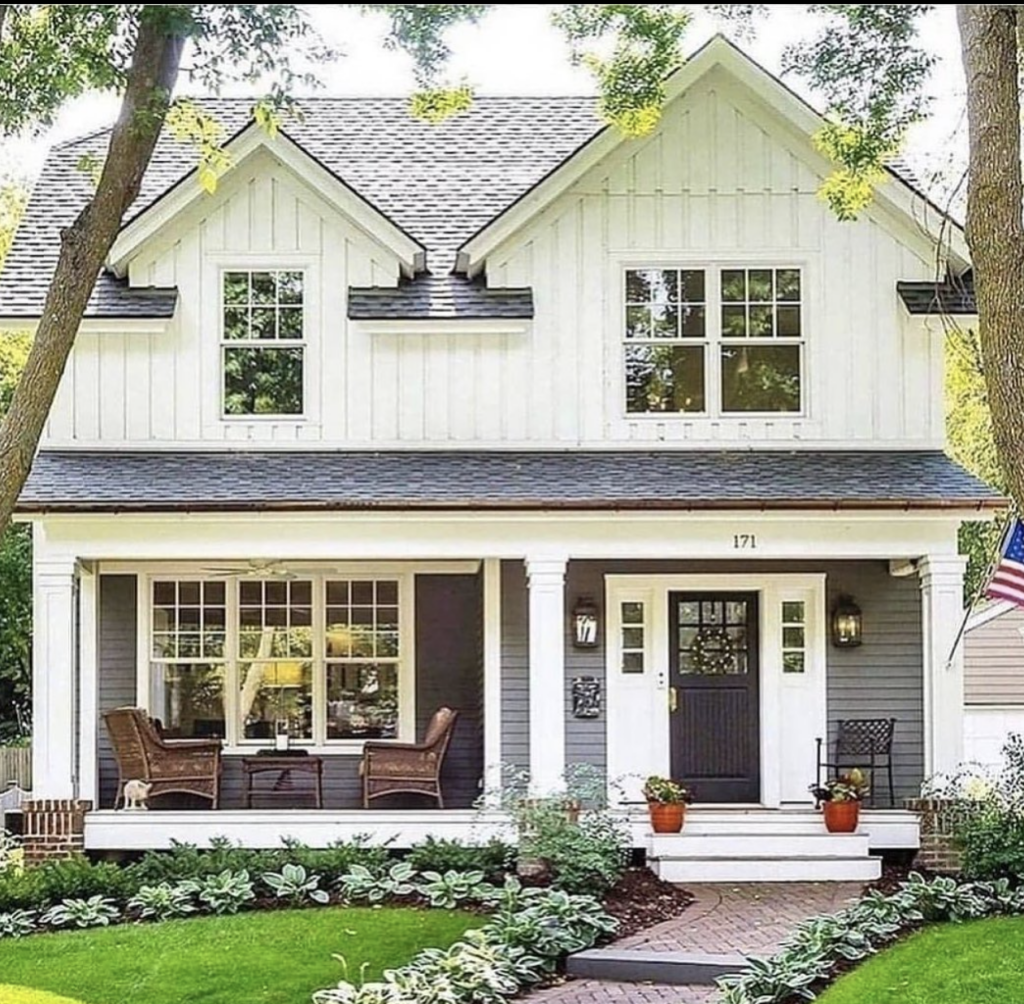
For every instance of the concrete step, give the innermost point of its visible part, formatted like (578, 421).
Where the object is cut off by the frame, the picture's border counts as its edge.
(818, 844)
(691, 870)
(622, 965)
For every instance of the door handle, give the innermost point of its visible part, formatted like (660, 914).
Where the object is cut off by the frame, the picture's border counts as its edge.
(673, 700)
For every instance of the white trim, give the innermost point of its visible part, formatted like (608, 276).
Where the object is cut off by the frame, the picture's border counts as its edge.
(252, 138)
(988, 614)
(894, 195)
(88, 684)
(638, 717)
(455, 326)
(492, 677)
(99, 325)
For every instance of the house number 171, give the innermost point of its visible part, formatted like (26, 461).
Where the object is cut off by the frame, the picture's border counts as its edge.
(744, 542)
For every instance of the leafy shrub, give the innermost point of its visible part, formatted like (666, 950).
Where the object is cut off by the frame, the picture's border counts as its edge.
(362, 883)
(53, 881)
(294, 884)
(12, 854)
(588, 855)
(335, 860)
(17, 924)
(495, 858)
(447, 891)
(222, 894)
(516, 950)
(163, 902)
(96, 911)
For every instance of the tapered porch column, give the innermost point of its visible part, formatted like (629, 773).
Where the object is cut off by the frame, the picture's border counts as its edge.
(54, 721)
(546, 578)
(942, 610)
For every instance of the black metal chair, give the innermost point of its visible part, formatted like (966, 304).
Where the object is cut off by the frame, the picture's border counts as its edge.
(861, 742)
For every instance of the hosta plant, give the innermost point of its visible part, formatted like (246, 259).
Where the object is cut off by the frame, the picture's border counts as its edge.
(294, 884)
(163, 901)
(17, 923)
(361, 883)
(96, 911)
(447, 891)
(225, 893)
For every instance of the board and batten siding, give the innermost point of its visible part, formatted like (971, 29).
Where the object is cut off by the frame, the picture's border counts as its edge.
(721, 180)
(994, 661)
(881, 679)
(449, 664)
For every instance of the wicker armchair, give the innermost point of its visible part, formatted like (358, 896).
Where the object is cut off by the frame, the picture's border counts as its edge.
(393, 768)
(190, 767)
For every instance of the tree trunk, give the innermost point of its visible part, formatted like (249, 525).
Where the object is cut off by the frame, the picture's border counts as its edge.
(85, 245)
(995, 225)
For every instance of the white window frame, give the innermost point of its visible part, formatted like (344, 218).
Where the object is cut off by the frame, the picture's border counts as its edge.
(713, 341)
(224, 343)
(234, 741)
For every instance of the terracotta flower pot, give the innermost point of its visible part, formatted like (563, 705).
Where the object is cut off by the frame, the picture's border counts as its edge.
(667, 817)
(841, 817)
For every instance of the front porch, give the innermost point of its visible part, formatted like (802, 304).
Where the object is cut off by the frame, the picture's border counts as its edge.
(493, 636)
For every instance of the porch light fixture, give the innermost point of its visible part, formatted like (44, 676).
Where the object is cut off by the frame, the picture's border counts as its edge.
(585, 623)
(847, 624)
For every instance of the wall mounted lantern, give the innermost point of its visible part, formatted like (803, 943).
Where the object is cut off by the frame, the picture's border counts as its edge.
(847, 624)
(585, 623)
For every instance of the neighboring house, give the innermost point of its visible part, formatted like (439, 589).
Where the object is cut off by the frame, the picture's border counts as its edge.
(359, 434)
(993, 681)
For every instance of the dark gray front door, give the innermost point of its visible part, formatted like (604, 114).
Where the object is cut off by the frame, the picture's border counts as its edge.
(715, 719)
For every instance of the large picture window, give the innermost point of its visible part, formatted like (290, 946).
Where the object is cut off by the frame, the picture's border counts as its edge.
(322, 658)
(713, 341)
(263, 350)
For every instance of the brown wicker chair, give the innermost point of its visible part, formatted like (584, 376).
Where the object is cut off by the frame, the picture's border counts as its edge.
(415, 769)
(190, 767)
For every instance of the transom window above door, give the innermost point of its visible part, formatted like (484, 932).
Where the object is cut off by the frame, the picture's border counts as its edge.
(714, 341)
(263, 343)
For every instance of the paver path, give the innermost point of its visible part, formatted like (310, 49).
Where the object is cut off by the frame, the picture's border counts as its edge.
(747, 919)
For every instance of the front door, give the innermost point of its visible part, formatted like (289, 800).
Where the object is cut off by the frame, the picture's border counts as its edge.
(715, 715)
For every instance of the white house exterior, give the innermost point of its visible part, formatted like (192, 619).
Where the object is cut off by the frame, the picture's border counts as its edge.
(442, 383)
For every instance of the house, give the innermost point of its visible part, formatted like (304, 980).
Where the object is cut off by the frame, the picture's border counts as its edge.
(368, 431)
(993, 681)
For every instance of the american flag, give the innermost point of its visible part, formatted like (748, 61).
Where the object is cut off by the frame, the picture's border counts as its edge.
(1007, 581)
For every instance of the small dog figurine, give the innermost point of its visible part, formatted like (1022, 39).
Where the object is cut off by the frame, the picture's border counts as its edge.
(136, 794)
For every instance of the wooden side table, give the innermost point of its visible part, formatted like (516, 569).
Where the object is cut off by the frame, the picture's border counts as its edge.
(283, 787)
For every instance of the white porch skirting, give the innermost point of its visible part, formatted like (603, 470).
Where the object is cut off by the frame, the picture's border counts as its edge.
(139, 831)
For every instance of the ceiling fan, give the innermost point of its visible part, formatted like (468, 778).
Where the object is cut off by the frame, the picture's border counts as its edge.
(254, 569)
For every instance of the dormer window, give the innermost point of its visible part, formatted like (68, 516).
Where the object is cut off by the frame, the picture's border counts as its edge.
(714, 341)
(263, 343)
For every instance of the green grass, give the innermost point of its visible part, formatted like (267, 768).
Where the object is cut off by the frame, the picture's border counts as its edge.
(277, 957)
(977, 963)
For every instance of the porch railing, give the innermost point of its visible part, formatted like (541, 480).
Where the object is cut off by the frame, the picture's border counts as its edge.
(16, 765)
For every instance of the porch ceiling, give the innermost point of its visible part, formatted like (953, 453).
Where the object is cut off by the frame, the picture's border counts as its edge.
(212, 481)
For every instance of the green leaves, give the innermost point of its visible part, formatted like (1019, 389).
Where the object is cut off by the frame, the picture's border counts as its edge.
(189, 123)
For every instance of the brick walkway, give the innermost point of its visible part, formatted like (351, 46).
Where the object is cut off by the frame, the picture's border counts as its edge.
(746, 919)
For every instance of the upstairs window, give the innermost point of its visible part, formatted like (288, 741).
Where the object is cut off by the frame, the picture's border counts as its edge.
(714, 341)
(262, 343)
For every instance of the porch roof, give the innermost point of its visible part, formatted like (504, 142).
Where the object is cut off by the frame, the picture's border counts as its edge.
(205, 481)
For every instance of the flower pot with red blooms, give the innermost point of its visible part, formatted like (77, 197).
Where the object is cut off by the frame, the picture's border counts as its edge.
(840, 800)
(666, 803)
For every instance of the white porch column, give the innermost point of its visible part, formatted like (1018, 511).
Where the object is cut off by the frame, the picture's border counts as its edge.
(54, 720)
(492, 681)
(546, 578)
(942, 610)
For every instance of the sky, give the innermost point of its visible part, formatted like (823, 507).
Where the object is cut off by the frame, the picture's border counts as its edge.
(515, 50)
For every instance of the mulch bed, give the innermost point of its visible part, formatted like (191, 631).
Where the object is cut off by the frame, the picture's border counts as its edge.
(642, 900)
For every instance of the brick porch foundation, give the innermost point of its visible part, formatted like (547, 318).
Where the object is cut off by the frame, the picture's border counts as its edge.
(53, 828)
(938, 852)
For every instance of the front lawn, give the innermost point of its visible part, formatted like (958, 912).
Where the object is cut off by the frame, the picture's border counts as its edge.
(276, 957)
(980, 962)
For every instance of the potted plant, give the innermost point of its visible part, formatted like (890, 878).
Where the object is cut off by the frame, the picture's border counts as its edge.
(666, 802)
(840, 800)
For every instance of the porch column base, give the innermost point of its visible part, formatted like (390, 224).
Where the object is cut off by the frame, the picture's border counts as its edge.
(938, 852)
(53, 828)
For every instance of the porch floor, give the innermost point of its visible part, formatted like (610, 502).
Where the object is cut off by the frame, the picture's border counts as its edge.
(109, 830)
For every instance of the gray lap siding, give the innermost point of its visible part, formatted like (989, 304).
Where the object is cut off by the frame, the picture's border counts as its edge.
(881, 679)
(448, 671)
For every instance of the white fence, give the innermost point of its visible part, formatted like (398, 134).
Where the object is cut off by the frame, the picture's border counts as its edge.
(16, 765)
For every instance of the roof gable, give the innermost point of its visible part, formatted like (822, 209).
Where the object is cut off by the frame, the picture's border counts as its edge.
(150, 221)
(898, 203)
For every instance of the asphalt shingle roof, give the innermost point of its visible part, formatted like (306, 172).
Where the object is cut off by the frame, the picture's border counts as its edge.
(950, 297)
(117, 481)
(439, 183)
(441, 298)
